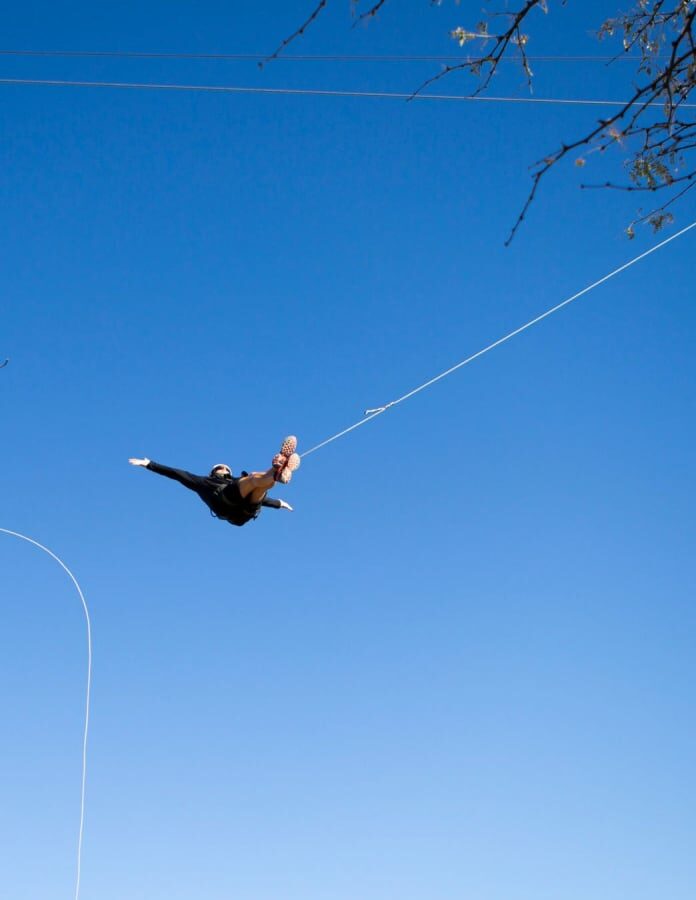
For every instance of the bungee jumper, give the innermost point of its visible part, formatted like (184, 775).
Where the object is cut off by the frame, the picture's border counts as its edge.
(236, 500)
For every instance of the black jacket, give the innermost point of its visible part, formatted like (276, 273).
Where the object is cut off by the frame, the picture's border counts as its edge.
(221, 495)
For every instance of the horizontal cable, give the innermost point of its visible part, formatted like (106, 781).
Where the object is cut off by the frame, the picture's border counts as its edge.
(260, 57)
(316, 92)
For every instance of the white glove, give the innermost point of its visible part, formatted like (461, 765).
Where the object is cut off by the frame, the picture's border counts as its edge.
(284, 505)
(134, 461)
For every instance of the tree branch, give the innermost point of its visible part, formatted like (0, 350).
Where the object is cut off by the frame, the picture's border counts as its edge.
(370, 13)
(658, 161)
(300, 31)
(513, 36)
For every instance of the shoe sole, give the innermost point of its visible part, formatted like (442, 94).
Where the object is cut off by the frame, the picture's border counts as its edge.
(293, 463)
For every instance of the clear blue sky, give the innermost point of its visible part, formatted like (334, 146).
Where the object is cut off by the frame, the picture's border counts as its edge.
(463, 667)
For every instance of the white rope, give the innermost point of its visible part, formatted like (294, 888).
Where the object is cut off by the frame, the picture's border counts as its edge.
(378, 411)
(89, 687)
(316, 92)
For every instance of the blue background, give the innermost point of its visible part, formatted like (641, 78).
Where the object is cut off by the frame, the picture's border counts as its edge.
(463, 666)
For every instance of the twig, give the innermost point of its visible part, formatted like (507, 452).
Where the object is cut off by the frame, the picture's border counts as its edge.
(370, 13)
(300, 31)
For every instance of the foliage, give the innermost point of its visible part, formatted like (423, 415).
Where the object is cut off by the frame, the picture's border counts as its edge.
(656, 127)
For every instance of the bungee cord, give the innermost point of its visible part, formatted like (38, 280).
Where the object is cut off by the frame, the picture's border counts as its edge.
(317, 92)
(380, 410)
(87, 701)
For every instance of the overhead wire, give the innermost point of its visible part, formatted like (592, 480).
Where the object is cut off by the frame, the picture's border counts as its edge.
(85, 734)
(319, 92)
(291, 57)
(371, 414)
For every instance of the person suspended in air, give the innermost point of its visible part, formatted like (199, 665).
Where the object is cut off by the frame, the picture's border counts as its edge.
(236, 500)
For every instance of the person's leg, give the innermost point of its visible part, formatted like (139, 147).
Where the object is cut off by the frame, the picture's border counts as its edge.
(256, 485)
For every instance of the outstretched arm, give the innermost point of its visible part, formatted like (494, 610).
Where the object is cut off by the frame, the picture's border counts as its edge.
(275, 504)
(193, 482)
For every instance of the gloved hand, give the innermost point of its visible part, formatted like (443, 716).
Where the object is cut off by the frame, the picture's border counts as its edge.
(134, 461)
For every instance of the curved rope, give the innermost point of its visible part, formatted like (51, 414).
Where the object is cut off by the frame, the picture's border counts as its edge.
(89, 687)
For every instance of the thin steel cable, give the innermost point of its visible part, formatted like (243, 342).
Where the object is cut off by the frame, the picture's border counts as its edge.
(291, 57)
(373, 413)
(89, 688)
(316, 92)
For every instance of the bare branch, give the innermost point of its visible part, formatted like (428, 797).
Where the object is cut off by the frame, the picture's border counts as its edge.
(370, 13)
(512, 36)
(639, 188)
(300, 31)
(652, 168)
(659, 216)
(661, 32)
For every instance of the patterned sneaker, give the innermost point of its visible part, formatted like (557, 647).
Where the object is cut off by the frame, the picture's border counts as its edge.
(289, 445)
(292, 465)
(287, 461)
